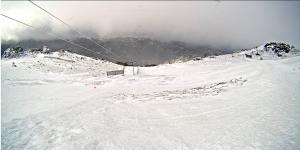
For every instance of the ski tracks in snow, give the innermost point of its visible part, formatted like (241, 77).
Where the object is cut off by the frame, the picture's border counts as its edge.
(191, 93)
(249, 106)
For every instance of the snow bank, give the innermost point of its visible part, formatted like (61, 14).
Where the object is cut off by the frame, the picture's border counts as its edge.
(224, 102)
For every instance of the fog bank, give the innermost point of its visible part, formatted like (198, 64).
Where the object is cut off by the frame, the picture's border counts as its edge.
(233, 24)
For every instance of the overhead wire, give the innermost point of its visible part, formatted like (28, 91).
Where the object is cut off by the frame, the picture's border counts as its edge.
(70, 27)
(58, 36)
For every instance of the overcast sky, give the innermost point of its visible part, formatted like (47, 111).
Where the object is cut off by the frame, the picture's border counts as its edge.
(227, 23)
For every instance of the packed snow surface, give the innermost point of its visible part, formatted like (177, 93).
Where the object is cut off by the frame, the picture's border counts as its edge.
(66, 101)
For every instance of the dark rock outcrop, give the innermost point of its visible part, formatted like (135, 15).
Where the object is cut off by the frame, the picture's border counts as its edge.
(278, 48)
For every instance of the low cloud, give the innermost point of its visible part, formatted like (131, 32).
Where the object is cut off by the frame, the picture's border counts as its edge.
(220, 24)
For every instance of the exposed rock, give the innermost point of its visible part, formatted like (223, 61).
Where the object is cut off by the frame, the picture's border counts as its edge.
(14, 64)
(278, 48)
(271, 50)
(19, 51)
(248, 55)
(13, 52)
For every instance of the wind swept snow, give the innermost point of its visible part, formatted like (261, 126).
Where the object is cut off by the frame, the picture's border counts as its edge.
(226, 102)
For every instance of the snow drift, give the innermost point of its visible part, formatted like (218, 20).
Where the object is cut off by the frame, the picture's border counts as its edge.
(65, 101)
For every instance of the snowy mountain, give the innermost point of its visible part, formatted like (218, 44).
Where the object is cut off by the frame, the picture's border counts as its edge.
(142, 51)
(63, 100)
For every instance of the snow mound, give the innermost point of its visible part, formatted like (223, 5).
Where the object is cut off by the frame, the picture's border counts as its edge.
(65, 63)
(271, 50)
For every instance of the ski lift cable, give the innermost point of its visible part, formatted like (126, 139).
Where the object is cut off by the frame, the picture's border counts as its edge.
(17, 21)
(70, 27)
(59, 37)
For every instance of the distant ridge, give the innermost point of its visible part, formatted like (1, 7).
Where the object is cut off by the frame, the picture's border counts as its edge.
(141, 51)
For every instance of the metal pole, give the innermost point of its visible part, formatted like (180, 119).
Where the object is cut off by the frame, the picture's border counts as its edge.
(123, 70)
(132, 69)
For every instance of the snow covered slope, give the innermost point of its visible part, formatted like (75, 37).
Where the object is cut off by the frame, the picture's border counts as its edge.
(271, 51)
(226, 102)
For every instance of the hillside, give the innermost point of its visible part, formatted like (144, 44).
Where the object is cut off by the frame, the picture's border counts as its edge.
(142, 51)
(65, 101)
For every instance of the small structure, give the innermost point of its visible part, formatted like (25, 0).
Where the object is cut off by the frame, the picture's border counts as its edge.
(115, 72)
